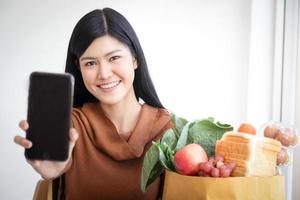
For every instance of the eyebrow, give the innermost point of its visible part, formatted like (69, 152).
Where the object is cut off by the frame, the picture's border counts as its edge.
(106, 55)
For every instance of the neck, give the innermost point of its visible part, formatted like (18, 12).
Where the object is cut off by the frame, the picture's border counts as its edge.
(124, 114)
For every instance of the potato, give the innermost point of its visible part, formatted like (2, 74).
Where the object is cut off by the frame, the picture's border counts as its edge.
(271, 131)
(294, 140)
(282, 157)
(283, 138)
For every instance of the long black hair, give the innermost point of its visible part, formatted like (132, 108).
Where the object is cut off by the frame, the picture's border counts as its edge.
(98, 23)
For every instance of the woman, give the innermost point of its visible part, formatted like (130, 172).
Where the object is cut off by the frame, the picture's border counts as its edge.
(111, 130)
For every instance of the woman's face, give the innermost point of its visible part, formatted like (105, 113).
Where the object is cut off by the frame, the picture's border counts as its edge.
(107, 67)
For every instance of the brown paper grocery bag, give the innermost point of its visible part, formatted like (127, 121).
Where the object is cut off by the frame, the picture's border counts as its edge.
(179, 187)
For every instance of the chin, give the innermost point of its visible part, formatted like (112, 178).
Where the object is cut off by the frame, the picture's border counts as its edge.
(111, 100)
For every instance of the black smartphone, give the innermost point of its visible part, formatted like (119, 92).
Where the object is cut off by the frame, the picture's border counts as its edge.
(50, 102)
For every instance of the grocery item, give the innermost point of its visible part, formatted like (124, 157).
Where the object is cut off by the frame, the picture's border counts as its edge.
(283, 157)
(247, 128)
(216, 167)
(253, 155)
(272, 130)
(188, 158)
(288, 136)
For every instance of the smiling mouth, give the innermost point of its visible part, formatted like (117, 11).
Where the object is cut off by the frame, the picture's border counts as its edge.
(109, 85)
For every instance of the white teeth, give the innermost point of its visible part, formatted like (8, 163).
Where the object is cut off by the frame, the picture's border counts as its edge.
(109, 85)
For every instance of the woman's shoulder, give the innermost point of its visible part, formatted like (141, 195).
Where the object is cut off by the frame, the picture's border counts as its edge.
(77, 112)
(76, 116)
(162, 119)
(81, 114)
(84, 109)
(164, 112)
(160, 112)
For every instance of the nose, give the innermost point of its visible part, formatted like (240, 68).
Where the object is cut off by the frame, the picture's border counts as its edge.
(104, 71)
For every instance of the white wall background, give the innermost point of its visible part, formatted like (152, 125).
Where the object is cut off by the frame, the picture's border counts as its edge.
(206, 58)
(296, 160)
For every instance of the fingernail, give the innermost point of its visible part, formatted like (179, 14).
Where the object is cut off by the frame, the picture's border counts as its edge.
(29, 144)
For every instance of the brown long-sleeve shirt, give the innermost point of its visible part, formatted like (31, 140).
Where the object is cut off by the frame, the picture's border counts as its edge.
(105, 166)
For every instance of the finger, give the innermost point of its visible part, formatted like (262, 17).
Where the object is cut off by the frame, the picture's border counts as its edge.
(23, 142)
(73, 138)
(73, 135)
(24, 125)
(34, 163)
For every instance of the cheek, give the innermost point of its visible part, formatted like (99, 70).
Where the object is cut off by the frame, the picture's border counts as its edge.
(129, 76)
(87, 77)
(127, 73)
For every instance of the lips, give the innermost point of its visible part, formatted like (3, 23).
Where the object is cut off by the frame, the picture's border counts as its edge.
(109, 85)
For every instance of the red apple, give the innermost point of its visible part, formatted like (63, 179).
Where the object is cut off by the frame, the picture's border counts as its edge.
(188, 159)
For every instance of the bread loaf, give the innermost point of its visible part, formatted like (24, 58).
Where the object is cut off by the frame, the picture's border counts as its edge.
(254, 155)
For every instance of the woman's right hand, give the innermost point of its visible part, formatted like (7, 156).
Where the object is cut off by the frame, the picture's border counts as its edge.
(47, 169)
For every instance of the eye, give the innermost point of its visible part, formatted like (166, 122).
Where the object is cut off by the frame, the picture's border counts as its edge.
(90, 64)
(113, 58)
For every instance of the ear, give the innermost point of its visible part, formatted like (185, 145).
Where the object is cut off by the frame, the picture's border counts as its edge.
(135, 65)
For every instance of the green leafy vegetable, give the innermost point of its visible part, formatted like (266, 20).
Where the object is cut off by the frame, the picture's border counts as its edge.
(164, 156)
(178, 123)
(151, 167)
(182, 140)
(206, 133)
(155, 172)
(169, 138)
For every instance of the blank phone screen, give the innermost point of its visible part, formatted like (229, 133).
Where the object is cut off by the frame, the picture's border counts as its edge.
(49, 115)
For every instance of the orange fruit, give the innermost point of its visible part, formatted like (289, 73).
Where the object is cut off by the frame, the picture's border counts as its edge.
(247, 128)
